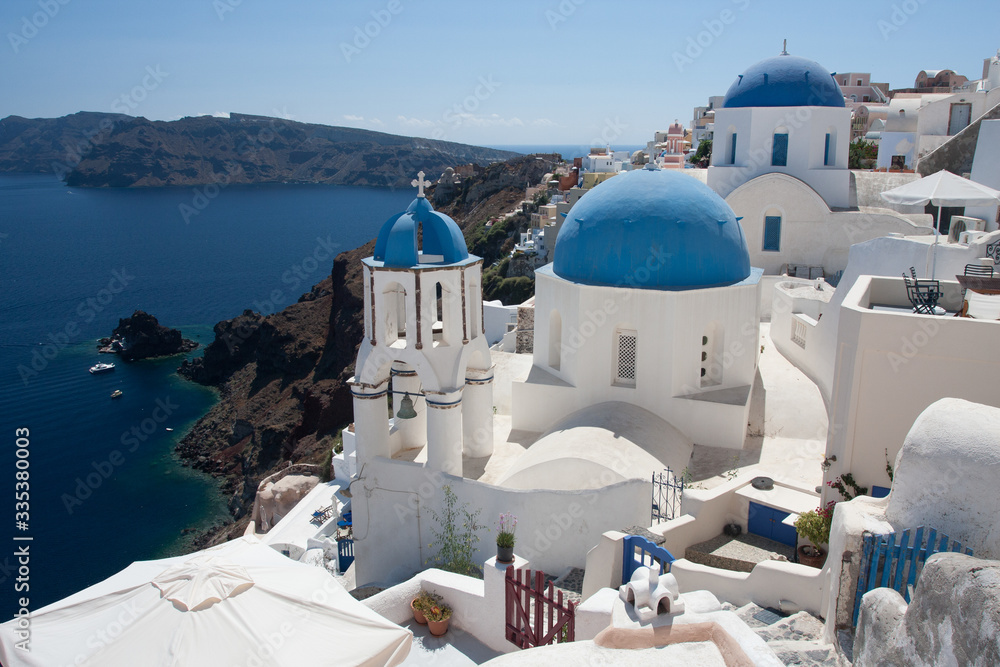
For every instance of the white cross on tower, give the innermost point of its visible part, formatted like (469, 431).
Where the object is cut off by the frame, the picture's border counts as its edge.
(419, 183)
(651, 151)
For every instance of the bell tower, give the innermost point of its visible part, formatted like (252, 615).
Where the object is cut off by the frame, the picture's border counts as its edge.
(424, 344)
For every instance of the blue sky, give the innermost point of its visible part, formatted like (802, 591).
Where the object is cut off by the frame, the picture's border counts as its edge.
(514, 72)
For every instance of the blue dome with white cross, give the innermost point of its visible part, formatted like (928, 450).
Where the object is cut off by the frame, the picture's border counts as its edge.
(785, 81)
(652, 229)
(397, 242)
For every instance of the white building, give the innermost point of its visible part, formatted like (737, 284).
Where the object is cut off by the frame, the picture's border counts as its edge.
(779, 158)
(651, 302)
(424, 340)
(783, 115)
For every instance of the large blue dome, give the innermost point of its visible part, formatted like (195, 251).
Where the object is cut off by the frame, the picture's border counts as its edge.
(443, 243)
(785, 81)
(653, 229)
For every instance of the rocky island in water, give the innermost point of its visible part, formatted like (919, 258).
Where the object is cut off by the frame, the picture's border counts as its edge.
(141, 336)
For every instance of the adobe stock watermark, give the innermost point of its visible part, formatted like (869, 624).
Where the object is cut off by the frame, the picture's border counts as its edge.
(30, 26)
(363, 35)
(562, 12)
(128, 101)
(124, 104)
(911, 345)
(297, 275)
(87, 310)
(131, 440)
(704, 39)
(899, 16)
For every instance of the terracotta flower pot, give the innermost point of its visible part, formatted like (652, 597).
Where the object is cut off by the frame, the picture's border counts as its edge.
(418, 615)
(505, 554)
(438, 628)
(811, 556)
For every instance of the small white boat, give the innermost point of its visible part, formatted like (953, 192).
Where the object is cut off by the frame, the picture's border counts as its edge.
(169, 429)
(117, 393)
(102, 368)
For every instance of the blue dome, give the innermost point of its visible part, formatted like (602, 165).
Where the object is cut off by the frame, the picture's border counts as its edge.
(396, 244)
(785, 81)
(654, 229)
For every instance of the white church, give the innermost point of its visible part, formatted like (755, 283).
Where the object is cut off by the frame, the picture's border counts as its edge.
(647, 329)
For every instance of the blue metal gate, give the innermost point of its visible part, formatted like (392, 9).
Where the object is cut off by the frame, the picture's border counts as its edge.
(886, 563)
(345, 555)
(768, 522)
(640, 552)
(667, 493)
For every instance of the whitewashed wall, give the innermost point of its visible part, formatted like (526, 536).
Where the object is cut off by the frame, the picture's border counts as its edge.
(891, 366)
(393, 525)
(670, 326)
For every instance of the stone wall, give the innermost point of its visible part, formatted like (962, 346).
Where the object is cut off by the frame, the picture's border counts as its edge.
(525, 330)
(952, 619)
(956, 154)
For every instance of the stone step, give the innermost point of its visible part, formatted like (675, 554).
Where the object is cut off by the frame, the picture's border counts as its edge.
(806, 653)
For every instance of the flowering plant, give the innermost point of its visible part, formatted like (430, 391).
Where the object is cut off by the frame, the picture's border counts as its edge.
(505, 530)
(814, 525)
(426, 600)
(438, 612)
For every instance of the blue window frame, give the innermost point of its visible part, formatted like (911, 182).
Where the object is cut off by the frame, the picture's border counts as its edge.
(732, 149)
(826, 151)
(779, 151)
(772, 233)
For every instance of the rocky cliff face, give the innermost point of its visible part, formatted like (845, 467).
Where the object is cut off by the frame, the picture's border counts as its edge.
(283, 377)
(101, 150)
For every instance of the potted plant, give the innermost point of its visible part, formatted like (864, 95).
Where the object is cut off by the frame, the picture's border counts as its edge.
(814, 526)
(420, 604)
(437, 618)
(505, 538)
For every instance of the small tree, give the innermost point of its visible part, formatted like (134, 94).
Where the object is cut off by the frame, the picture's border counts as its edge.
(703, 155)
(861, 152)
(456, 543)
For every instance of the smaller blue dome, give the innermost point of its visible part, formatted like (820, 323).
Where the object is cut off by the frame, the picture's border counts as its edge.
(785, 81)
(396, 244)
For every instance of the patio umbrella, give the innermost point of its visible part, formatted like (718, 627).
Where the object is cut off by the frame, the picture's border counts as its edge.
(239, 603)
(942, 189)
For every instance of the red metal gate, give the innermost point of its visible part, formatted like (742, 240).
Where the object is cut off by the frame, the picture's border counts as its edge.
(536, 616)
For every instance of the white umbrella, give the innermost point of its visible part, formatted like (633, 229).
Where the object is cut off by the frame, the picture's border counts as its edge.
(942, 189)
(239, 603)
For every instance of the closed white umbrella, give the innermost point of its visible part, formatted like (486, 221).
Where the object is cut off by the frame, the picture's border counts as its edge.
(240, 603)
(942, 189)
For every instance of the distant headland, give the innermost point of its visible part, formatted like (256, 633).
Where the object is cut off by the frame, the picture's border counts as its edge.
(91, 149)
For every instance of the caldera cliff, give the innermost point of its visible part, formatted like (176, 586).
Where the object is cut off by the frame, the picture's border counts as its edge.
(283, 377)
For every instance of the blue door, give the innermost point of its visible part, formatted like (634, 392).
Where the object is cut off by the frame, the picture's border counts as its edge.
(767, 522)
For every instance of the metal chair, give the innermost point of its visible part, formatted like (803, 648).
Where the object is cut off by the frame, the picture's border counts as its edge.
(923, 294)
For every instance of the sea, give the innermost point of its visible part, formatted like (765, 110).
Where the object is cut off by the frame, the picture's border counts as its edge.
(99, 485)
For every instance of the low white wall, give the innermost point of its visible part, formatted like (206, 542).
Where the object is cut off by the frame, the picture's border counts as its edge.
(790, 587)
(705, 514)
(393, 523)
(496, 317)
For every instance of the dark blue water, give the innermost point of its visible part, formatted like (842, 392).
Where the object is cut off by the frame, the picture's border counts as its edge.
(105, 486)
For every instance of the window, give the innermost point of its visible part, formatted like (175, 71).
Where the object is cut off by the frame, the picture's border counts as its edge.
(859, 82)
(555, 339)
(394, 316)
(711, 356)
(826, 151)
(625, 344)
(732, 149)
(779, 150)
(772, 233)
(866, 98)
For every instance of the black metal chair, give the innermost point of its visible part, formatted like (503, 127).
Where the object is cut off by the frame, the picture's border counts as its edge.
(923, 294)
